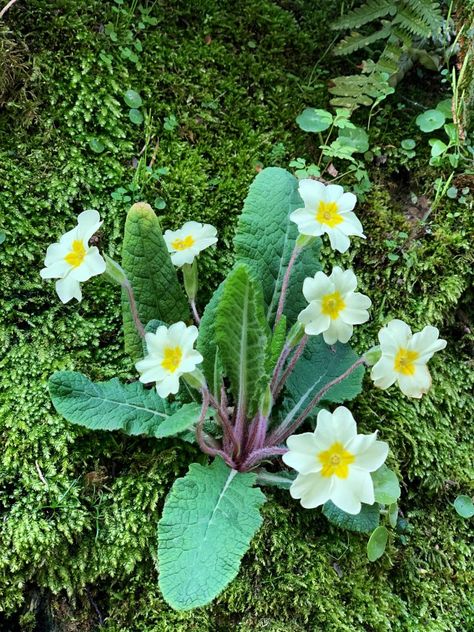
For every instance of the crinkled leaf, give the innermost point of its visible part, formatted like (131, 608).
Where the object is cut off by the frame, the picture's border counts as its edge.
(276, 345)
(148, 266)
(319, 365)
(364, 522)
(265, 239)
(208, 520)
(115, 406)
(242, 334)
(377, 543)
(386, 485)
(283, 479)
(207, 345)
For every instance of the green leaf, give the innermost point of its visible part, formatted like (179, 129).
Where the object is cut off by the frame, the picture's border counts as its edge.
(311, 120)
(464, 506)
(355, 138)
(430, 120)
(242, 334)
(437, 147)
(319, 365)
(96, 145)
(393, 515)
(132, 99)
(276, 344)
(364, 522)
(408, 144)
(445, 107)
(2, 237)
(115, 406)
(208, 521)
(386, 486)
(265, 239)
(207, 345)
(135, 116)
(377, 543)
(148, 266)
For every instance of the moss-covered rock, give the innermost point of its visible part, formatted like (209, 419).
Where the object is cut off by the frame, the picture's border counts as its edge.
(79, 509)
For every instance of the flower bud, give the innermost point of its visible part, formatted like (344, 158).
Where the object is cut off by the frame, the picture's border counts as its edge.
(114, 272)
(373, 355)
(266, 402)
(295, 334)
(195, 379)
(190, 277)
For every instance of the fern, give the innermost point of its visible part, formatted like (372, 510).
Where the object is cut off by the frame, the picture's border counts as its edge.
(408, 26)
(372, 10)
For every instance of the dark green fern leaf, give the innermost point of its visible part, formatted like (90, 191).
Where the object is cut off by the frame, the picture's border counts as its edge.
(356, 40)
(368, 12)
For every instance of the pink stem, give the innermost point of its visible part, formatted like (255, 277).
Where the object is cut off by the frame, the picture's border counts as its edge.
(285, 352)
(133, 308)
(285, 430)
(257, 433)
(207, 449)
(291, 365)
(223, 416)
(259, 455)
(197, 318)
(286, 280)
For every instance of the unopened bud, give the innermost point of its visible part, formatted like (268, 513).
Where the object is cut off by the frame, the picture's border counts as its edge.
(114, 272)
(195, 379)
(266, 402)
(304, 240)
(190, 277)
(295, 334)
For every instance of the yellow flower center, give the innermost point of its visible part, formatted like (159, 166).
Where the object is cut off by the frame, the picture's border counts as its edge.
(327, 213)
(332, 304)
(172, 358)
(77, 254)
(183, 244)
(405, 361)
(336, 461)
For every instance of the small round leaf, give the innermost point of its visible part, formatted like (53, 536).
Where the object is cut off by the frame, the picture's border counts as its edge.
(132, 99)
(356, 138)
(96, 145)
(430, 120)
(446, 108)
(464, 506)
(312, 120)
(408, 143)
(377, 543)
(136, 116)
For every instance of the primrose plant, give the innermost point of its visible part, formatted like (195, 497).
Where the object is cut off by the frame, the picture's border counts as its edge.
(268, 357)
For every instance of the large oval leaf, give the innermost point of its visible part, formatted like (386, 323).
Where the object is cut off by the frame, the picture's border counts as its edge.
(265, 239)
(208, 520)
(148, 266)
(115, 406)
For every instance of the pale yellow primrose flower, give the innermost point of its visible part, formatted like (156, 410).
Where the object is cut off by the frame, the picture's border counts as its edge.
(327, 209)
(170, 355)
(404, 357)
(334, 462)
(187, 242)
(72, 260)
(334, 307)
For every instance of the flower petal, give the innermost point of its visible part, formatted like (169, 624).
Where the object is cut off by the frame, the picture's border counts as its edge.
(370, 454)
(346, 202)
(311, 192)
(338, 240)
(313, 489)
(348, 493)
(417, 384)
(383, 373)
(427, 342)
(88, 223)
(333, 193)
(68, 288)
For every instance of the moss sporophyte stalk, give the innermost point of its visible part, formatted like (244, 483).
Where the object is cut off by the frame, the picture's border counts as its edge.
(248, 374)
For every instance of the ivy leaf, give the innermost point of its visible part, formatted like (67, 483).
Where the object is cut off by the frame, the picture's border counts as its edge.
(386, 486)
(148, 266)
(115, 406)
(377, 543)
(208, 520)
(265, 239)
(319, 365)
(313, 120)
(242, 334)
(364, 522)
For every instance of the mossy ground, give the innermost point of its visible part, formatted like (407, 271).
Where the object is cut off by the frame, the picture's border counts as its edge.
(79, 509)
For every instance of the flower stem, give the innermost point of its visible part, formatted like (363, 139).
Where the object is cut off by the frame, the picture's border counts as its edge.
(197, 318)
(291, 365)
(205, 447)
(259, 455)
(279, 365)
(286, 280)
(288, 427)
(229, 434)
(133, 308)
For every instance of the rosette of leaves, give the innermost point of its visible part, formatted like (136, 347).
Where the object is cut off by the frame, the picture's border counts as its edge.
(404, 28)
(212, 513)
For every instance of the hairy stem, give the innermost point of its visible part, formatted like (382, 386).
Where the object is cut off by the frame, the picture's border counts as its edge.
(285, 352)
(133, 308)
(264, 453)
(257, 433)
(205, 447)
(197, 318)
(286, 280)
(288, 427)
(291, 365)
(229, 434)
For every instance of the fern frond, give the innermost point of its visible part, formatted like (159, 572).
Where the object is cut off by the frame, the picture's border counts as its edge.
(368, 12)
(389, 60)
(429, 11)
(354, 90)
(356, 41)
(411, 22)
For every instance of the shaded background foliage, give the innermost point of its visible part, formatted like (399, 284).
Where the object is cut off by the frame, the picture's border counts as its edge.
(79, 509)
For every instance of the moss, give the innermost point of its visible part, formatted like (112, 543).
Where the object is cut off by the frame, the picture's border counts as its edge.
(78, 537)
